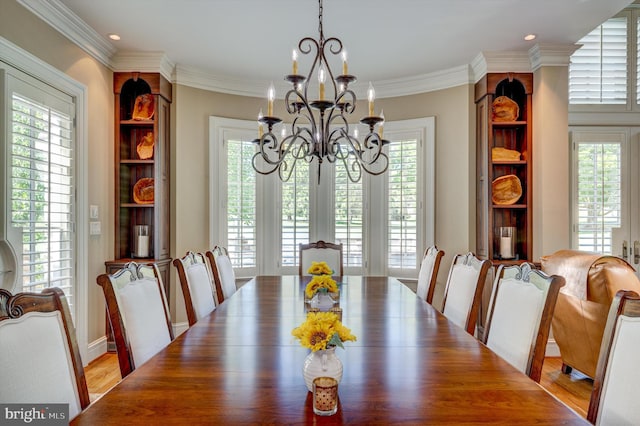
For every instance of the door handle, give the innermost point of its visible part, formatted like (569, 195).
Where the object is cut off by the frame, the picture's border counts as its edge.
(625, 255)
(636, 251)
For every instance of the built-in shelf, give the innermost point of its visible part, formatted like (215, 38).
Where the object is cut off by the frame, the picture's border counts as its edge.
(515, 135)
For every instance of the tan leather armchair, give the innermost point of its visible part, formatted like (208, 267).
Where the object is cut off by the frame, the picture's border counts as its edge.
(592, 281)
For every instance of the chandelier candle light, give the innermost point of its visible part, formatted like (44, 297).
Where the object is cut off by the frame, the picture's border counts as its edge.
(319, 127)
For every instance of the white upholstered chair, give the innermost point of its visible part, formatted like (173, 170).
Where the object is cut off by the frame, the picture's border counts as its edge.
(320, 251)
(138, 312)
(197, 285)
(223, 276)
(39, 352)
(463, 291)
(614, 399)
(519, 316)
(428, 274)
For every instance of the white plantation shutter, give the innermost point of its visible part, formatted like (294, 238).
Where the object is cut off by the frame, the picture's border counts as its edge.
(402, 220)
(637, 59)
(599, 191)
(295, 213)
(241, 203)
(598, 70)
(348, 216)
(42, 189)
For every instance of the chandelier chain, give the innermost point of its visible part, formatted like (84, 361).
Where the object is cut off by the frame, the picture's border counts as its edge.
(320, 10)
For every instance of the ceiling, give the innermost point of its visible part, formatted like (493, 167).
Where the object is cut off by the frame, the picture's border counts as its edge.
(252, 40)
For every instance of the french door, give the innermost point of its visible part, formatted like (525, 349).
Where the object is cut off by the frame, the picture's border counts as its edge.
(606, 191)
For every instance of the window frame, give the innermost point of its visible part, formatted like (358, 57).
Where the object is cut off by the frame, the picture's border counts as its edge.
(269, 225)
(609, 136)
(580, 111)
(21, 64)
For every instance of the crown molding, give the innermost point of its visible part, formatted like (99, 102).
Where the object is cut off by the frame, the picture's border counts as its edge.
(56, 14)
(201, 79)
(63, 20)
(490, 61)
(551, 55)
(126, 60)
(539, 55)
(438, 80)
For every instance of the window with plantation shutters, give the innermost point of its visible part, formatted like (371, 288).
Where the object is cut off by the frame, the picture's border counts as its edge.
(348, 217)
(598, 69)
(381, 221)
(402, 220)
(598, 189)
(42, 191)
(295, 214)
(241, 203)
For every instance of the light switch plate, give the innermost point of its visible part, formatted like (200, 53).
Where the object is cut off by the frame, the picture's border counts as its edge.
(95, 228)
(94, 213)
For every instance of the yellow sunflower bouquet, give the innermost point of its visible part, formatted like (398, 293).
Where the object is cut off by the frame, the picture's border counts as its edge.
(319, 268)
(320, 283)
(322, 330)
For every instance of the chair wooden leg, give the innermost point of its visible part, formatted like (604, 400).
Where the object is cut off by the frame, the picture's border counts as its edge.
(566, 369)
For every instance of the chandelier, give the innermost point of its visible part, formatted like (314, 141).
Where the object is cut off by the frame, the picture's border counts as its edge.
(319, 127)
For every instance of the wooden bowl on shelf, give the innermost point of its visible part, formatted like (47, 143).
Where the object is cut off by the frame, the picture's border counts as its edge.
(143, 191)
(506, 190)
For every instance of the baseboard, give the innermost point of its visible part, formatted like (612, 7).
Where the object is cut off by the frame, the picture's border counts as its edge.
(552, 349)
(96, 349)
(179, 328)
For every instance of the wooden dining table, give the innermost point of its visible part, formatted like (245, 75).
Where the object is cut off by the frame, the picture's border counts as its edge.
(241, 365)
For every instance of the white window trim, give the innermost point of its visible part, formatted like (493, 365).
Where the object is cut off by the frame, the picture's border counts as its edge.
(426, 202)
(25, 62)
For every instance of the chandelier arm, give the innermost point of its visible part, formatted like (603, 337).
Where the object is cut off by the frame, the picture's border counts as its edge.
(379, 172)
(354, 172)
(293, 107)
(284, 167)
(334, 45)
(337, 134)
(305, 46)
(308, 117)
(258, 169)
(347, 101)
(372, 142)
(303, 146)
(281, 151)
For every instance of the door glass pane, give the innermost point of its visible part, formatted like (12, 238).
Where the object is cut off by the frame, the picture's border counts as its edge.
(241, 204)
(599, 188)
(295, 213)
(42, 194)
(348, 219)
(403, 205)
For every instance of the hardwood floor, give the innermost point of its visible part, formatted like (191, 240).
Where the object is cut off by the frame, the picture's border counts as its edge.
(102, 374)
(574, 390)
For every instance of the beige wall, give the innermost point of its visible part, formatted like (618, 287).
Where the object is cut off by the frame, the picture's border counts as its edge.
(452, 108)
(29, 33)
(551, 161)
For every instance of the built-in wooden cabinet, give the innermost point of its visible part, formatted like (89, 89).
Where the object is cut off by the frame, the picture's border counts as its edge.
(502, 134)
(142, 132)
